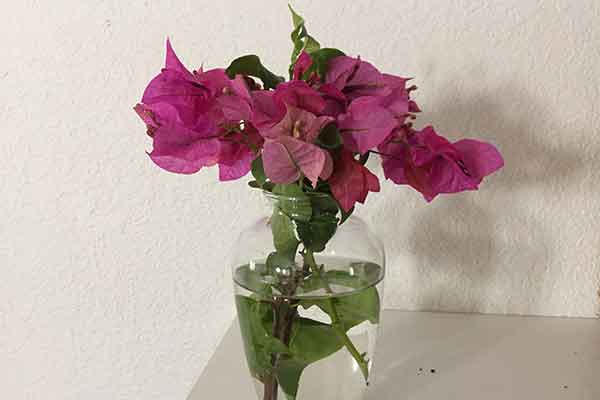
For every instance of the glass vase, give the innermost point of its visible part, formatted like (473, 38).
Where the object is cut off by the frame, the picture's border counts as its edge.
(308, 292)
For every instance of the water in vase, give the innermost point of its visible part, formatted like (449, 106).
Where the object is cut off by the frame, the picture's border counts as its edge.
(309, 334)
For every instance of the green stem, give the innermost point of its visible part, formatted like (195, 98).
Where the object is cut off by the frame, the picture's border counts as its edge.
(309, 259)
(284, 314)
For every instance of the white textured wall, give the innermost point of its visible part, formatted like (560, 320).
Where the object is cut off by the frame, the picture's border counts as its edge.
(113, 274)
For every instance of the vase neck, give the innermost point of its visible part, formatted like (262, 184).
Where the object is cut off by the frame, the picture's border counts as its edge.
(295, 205)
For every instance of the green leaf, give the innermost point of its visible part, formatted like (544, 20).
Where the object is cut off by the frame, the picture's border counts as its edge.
(322, 187)
(321, 59)
(254, 184)
(251, 65)
(258, 171)
(253, 278)
(284, 234)
(310, 342)
(323, 204)
(259, 344)
(289, 371)
(300, 38)
(329, 137)
(345, 214)
(268, 186)
(316, 233)
(351, 309)
(357, 308)
(297, 20)
(293, 206)
(311, 44)
(293, 202)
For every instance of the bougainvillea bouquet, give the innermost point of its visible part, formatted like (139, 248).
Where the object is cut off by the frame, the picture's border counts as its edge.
(307, 278)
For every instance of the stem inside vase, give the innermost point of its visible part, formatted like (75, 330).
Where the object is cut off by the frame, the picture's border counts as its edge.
(284, 313)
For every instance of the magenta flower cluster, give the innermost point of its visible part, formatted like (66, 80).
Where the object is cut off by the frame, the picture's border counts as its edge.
(204, 118)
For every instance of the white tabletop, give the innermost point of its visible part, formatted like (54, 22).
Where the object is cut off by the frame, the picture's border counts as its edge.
(433, 356)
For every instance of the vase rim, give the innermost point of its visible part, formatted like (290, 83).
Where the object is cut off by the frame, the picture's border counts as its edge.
(275, 196)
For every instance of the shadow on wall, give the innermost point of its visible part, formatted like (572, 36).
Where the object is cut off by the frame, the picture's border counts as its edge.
(494, 245)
